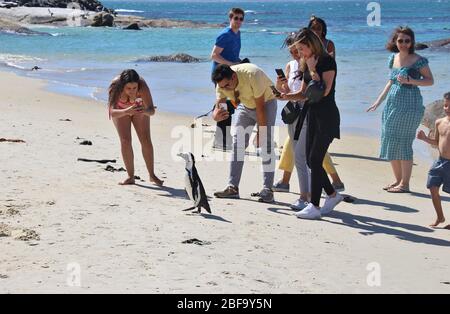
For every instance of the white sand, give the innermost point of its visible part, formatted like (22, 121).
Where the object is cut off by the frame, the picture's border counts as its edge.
(128, 239)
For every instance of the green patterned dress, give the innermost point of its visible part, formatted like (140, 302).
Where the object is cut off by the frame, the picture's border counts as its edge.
(402, 114)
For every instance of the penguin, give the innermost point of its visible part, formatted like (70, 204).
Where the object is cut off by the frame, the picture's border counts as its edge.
(194, 186)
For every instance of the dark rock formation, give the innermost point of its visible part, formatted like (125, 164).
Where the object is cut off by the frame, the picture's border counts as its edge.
(103, 20)
(179, 57)
(443, 44)
(133, 26)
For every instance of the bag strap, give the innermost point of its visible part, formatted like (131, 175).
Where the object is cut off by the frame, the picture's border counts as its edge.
(301, 120)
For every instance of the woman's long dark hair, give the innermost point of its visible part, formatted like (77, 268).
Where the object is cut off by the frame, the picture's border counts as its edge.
(320, 21)
(117, 86)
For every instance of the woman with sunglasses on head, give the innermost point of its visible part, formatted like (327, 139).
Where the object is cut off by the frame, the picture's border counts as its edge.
(294, 152)
(404, 106)
(319, 27)
(323, 120)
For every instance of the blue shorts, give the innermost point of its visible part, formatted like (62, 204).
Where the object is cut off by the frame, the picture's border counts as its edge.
(440, 175)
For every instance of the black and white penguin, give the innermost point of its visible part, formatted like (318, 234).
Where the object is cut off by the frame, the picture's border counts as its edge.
(194, 186)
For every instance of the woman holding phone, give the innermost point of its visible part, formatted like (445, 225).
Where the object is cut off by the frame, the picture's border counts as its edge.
(130, 103)
(323, 120)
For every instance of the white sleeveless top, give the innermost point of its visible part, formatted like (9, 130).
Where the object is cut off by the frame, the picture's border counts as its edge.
(294, 84)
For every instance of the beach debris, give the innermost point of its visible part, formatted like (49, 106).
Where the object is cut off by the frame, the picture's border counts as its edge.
(177, 57)
(3, 276)
(35, 68)
(133, 27)
(196, 242)
(18, 234)
(86, 143)
(11, 211)
(50, 203)
(112, 169)
(100, 161)
(445, 282)
(65, 120)
(6, 140)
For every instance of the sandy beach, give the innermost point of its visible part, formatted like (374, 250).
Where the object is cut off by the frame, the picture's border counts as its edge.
(58, 215)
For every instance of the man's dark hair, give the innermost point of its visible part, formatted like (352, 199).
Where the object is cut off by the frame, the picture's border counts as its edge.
(222, 71)
(447, 96)
(236, 11)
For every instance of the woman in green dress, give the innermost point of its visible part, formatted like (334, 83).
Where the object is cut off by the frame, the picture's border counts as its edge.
(404, 106)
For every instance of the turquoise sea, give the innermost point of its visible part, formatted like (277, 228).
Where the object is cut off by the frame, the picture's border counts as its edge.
(82, 61)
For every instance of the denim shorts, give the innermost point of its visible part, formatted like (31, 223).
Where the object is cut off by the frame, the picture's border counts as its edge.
(439, 175)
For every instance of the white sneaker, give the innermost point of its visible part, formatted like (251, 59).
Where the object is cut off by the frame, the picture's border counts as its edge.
(299, 205)
(331, 203)
(310, 212)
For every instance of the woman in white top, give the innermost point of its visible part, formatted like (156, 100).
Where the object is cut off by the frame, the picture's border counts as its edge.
(292, 84)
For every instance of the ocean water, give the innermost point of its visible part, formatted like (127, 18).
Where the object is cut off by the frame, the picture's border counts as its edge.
(82, 61)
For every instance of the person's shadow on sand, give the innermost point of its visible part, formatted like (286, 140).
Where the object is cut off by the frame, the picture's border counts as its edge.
(386, 206)
(172, 192)
(372, 226)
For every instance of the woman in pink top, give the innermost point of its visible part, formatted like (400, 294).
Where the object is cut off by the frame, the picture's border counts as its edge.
(130, 102)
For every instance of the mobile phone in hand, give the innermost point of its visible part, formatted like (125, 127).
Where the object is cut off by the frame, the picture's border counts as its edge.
(275, 91)
(223, 106)
(280, 73)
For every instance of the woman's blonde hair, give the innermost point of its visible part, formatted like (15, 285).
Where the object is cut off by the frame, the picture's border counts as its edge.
(309, 38)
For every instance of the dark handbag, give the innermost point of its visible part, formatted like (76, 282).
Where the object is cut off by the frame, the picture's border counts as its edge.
(315, 91)
(290, 112)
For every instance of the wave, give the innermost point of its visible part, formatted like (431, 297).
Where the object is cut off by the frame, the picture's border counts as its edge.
(128, 11)
(250, 12)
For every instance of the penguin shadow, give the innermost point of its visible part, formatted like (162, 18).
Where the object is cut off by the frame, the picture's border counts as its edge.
(171, 192)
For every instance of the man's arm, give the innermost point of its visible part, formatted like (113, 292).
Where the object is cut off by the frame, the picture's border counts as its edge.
(215, 55)
(435, 142)
(261, 111)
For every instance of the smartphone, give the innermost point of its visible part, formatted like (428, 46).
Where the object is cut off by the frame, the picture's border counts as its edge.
(275, 91)
(280, 73)
(223, 106)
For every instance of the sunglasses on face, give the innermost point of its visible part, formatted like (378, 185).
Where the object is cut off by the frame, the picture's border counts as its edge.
(405, 41)
(238, 18)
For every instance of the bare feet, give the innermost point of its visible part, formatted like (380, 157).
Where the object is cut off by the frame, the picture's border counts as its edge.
(439, 221)
(129, 181)
(154, 179)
